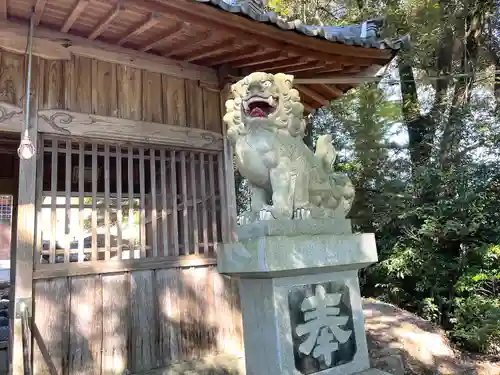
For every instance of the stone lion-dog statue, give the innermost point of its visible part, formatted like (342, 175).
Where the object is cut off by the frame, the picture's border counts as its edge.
(266, 126)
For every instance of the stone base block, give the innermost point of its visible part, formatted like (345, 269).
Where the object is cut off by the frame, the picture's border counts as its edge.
(303, 325)
(294, 248)
(299, 294)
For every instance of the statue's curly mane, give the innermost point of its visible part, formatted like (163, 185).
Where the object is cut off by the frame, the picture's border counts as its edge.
(291, 110)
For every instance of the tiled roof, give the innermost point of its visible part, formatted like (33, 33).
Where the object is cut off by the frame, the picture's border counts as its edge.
(366, 34)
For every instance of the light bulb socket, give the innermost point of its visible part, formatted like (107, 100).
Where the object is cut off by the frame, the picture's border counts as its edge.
(26, 149)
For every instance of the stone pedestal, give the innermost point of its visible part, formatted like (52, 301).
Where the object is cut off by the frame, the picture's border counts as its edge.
(300, 298)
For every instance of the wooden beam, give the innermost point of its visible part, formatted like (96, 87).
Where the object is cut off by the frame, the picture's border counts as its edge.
(178, 48)
(287, 62)
(3, 9)
(332, 91)
(307, 108)
(115, 54)
(271, 36)
(246, 52)
(39, 9)
(305, 67)
(103, 25)
(194, 50)
(226, 76)
(75, 13)
(45, 49)
(154, 19)
(170, 33)
(46, 271)
(347, 80)
(330, 71)
(208, 51)
(259, 59)
(320, 68)
(313, 95)
(61, 122)
(11, 118)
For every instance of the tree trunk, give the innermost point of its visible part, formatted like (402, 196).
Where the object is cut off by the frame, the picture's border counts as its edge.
(453, 130)
(419, 132)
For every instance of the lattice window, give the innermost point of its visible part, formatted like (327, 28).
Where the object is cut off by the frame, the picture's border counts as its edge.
(100, 201)
(5, 207)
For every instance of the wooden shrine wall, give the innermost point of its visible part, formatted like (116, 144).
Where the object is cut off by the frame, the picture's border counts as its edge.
(138, 320)
(111, 315)
(95, 87)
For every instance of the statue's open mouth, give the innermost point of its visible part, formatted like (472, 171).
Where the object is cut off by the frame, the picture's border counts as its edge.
(258, 106)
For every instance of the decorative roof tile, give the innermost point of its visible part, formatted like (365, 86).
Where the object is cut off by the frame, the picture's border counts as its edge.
(365, 34)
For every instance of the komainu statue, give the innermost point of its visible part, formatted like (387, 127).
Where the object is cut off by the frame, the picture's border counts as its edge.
(287, 180)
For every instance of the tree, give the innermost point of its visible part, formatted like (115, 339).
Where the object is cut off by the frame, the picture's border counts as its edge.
(432, 201)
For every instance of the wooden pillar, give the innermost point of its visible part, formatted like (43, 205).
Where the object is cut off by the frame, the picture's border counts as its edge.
(22, 260)
(228, 171)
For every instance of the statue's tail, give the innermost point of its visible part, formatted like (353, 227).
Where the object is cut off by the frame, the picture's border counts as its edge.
(325, 152)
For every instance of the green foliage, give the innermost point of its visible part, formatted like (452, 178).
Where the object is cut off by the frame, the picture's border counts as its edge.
(477, 322)
(441, 258)
(433, 199)
(477, 314)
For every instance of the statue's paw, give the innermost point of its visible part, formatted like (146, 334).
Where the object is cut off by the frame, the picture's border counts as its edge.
(306, 211)
(247, 218)
(265, 214)
(302, 213)
(274, 213)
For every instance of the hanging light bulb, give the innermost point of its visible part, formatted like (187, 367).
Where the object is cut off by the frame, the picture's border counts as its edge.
(26, 149)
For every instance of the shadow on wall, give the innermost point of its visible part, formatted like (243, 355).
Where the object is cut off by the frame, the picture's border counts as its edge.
(137, 321)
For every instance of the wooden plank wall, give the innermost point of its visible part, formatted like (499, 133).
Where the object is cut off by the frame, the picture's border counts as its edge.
(136, 320)
(90, 86)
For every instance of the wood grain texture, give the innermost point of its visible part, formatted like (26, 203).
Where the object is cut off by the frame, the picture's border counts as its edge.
(114, 54)
(152, 97)
(169, 318)
(22, 262)
(194, 94)
(68, 123)
(212, 111)
(51, 329)
(129, 86)
(98, 88)
(143, 341)
(174, 101)
(82, 100)
(85, 325)
(104, 89)
(12, 78)
(115, 318)
(11, 117)
(53, 90)
(137, 321)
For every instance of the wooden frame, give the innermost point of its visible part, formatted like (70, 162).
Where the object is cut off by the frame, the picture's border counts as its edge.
(22, 259)
(56, 45)
(46, 271)
(61, 122)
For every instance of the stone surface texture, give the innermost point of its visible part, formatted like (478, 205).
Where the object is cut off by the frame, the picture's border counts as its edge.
(269, 345)
(300, 297)
(266, 128)
(281, 248)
